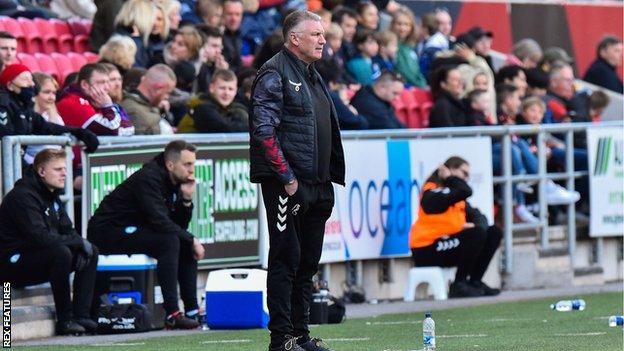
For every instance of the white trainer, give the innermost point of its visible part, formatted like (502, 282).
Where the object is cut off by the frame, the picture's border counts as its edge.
(558, 195)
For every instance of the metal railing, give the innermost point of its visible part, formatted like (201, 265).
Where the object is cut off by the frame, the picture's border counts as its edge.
(12, 170)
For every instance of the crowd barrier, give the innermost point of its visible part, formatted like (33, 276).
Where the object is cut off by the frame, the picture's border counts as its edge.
(374, 211)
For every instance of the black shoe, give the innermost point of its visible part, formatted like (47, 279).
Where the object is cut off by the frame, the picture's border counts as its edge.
(464, 289)
(87, 323)
(69, 328)
(290, 344)
(315, 344)
(487, 291)
(178, 321)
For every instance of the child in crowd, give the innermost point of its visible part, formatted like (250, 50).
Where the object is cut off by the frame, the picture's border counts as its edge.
(361, 66)
(368, 15)
(388, 47)
(598, 102)
(481, 81)
(404, 26)
(478, 106)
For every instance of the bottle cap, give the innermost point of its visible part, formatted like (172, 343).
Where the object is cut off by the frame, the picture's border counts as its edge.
(428, 315)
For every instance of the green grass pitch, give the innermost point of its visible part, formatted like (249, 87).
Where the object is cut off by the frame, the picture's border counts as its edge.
(526, 325)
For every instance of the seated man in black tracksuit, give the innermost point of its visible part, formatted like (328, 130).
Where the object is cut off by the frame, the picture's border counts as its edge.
(38, 243)
(148, 214)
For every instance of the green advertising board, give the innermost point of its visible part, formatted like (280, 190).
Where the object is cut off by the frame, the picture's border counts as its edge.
(225, 214)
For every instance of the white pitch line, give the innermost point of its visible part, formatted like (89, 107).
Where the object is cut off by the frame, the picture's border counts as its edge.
(393, 323)
(583, 334)
(230, 341)
(346, 339)
(119, 344)
(462, 336)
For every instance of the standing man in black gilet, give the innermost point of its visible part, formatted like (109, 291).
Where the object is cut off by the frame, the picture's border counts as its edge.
(296, 154)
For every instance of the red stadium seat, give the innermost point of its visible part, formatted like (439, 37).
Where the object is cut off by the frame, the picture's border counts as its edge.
(48, 65)
(91, 57)
(425, 104)
(81, 34)
(48, 34)
(64, 35)
(64, 65)
(400, 110)
(29, 60)
(12, 26)
(411, 105)
(78, 60)
(34, 41)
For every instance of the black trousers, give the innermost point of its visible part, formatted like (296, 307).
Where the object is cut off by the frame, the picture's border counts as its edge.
(54, 264)
(296, 230)
(471, 251)
(175, 260)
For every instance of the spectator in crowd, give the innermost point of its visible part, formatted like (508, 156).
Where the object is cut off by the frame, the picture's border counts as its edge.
(115, 81)
(210, 13)
(375, 101)
(215, 111)
(17, 116)
(66, 9)
(388, 47)
(347, 19)
(537, 82)
(562, 100)
(447, 220)
(38, 243)
(211, 57)
(120, 51)
(479, 81)
(179, 97)
(483, 44)
(271, 46)
(149, 213)
(326, 17)
(23, 8)
(445, 23)
(598, 102)
(158, 36)
(447, 87)
(508, 103)
(368, 16)
(132, 78)
(136, 20)
(144, 104)
(478, 106)
(232, 42)
(87, 104)
(513, 75)
(552, 56)
(526, 53)
(602, 71)
(362, 67)
(433, 41)
(172, 11)
(185, 46)
(333, 35)
(348, 116)
(104, 22)
(8, 48)
(404, 26)
(45, 105)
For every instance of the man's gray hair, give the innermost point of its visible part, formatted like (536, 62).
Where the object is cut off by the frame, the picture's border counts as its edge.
(557, 67)
(159, 73)
(293, 20)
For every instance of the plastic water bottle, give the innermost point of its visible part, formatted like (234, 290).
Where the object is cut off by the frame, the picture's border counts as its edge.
(616, 321)
(569, 305)
(429, 342)
(202, 314)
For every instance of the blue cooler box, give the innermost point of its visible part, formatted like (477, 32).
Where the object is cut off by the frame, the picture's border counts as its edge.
(236, 299)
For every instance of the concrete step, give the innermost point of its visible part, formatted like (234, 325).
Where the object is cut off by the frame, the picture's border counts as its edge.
(35, 295)
(592, 275)
(31, 322)
(553, 268)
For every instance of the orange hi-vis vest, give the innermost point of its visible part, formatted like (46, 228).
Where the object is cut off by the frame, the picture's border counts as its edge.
(430, 227)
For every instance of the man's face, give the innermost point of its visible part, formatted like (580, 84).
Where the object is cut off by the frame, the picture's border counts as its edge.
(520, 82)
(212, 48)
(232, 15)
(390, 91)
(115, 85)
(370, 17)
(182, 169)
(8, 51)
(224, 92)
(611, 54)
(562, 83)
(161, 91)
(98, 80)
(349, 26)
(483, 46)
(480, 82)
(309, 41)
(445, 23)
(513, 102)
(53, 173)
(454, 84)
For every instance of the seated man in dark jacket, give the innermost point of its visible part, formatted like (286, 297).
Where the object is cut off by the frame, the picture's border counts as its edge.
(602, 71)
(148, 214)
(215, 111)
(38, 243)
(375, 101)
